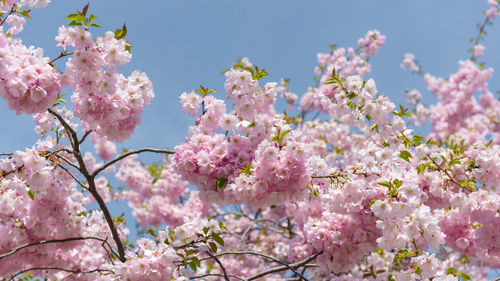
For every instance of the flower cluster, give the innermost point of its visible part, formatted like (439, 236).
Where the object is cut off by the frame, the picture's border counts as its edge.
(27, 82)
(104, 100)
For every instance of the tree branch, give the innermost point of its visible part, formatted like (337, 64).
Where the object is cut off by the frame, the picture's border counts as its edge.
(71, 133)
(87, 133)
(127, 154)
(61, 269)
(73, 176)
(282, 268)
(285, 265)
(92, 187)
(216, 275)
(220, 264)
(18, 248)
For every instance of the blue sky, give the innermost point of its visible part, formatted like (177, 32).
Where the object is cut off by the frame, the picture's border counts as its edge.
(182, 44)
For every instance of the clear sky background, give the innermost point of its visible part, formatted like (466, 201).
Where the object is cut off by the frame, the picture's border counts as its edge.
(182, 44)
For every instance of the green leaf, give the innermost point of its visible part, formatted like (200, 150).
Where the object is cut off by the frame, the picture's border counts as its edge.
(218, 239)
(476, 226)
(31, 194)
(26, 13)
(84, 11)
(405, 155)
(248, 169)
(193, 266)
(121, 33)
(385, 183)
(91, 18)
(421, 168)
(316, 192)
(464, 276)
(196, 261)
(451, 270)
(221, 183)
(74, 23)
(73, 16)
(489, 143)
(95, 25)
(151, 231)
(213, 247)
(222, 226)
(417, 139)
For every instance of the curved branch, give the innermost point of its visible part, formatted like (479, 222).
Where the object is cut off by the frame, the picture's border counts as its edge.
(62, 269)
(18, 248)
(127, 154)
(73, 176)
(70, 131)
(62, 55)
(285, 265)
(87, 133)
(67, 161)
(220, 264)
(282, 268)
(73, 138)
(216, 275)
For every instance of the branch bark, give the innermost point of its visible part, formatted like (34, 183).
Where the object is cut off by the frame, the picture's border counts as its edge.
(282, 268)
(82, 168)
(61, 269)
(18, 248)
(220, 264)
(127, 154)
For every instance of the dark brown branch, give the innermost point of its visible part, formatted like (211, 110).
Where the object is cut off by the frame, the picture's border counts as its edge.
(91, 182)
(67, 161)
(216, 275)
(18, 248)
(286, 265)
(10, 13)
(87, 133)
(282, 268)
(127, 154)
(5, 154)
(73, 176)
(220, 264)
(70, 131)
(62, 269)
(62, 55)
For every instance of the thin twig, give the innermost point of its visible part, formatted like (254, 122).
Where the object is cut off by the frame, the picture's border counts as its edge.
(74, 177)
(216, 275)
(73, 138)
(18, 248)
(70, 131)
(282, 268)
(127, 154)
(62, 55)
(245, 233)
(67, 161)
(286, 265)
(87, 133)
(220, 264)
(10, 13)
(62, 269)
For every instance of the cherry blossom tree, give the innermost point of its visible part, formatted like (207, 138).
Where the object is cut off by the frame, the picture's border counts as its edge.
(343, 190)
